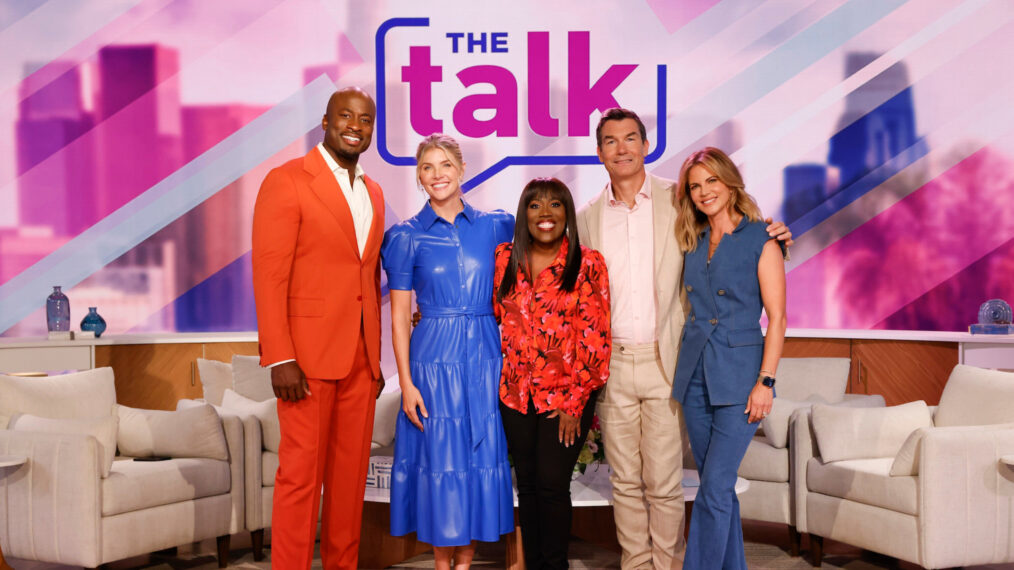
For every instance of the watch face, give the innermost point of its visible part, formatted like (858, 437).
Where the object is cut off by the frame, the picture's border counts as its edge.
(768, 381)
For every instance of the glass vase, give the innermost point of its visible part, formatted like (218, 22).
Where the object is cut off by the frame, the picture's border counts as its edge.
(57, 310)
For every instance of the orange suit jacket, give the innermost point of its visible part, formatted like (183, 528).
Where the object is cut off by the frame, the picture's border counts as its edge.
(312, 289)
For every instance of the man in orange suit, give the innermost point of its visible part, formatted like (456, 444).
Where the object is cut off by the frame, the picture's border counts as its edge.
(318, 225)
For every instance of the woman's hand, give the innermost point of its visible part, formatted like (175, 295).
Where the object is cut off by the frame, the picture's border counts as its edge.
(410, 400)
(759, 403)
(570, 427)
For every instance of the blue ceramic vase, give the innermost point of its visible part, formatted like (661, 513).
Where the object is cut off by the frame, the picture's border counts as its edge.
(93, 321)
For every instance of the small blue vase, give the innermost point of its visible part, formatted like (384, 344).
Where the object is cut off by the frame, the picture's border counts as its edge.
(93, 321)
(57, 310)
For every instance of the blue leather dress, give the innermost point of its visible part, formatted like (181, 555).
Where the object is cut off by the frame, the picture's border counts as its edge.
(451, 482)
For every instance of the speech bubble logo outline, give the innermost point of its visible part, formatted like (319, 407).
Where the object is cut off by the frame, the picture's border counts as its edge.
(511, 160)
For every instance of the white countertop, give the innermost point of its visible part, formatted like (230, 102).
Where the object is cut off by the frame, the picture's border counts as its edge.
(213, 337)
(924, 336)
(142, 338)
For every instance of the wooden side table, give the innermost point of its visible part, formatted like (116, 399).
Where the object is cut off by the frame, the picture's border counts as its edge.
(8, 464)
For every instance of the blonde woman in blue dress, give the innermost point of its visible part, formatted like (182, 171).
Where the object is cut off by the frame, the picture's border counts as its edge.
(451, 481)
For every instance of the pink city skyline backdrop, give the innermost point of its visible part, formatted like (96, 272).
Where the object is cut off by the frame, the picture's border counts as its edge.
(132, 147)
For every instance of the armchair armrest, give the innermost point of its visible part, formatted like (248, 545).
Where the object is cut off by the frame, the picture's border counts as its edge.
(235, 441)
(52, 505)
(254, 478)
(965, 492)
(802, 447)
(234, 438)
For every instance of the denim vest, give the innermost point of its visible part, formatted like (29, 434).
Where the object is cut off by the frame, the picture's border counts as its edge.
(723, 328)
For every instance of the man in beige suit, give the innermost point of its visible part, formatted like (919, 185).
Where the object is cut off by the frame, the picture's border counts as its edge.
(632, 223)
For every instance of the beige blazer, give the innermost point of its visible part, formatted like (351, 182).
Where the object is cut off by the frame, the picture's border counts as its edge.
(668, 264)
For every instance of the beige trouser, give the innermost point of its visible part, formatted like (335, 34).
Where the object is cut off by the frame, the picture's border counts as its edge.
(644, 447)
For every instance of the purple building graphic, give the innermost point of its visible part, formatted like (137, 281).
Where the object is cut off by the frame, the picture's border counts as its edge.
(139, 104)
(60, 194)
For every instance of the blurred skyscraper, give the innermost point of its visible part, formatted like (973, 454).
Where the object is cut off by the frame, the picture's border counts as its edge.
(209, 236)
(51, 118)
(139, 105)
(875, 139)
(867, 140)
(806, 186)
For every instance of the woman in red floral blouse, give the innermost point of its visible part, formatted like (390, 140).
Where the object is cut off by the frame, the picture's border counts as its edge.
(552, 299)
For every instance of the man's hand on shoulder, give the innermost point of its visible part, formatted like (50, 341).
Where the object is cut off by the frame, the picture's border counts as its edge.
(779, 231)
(288, 382)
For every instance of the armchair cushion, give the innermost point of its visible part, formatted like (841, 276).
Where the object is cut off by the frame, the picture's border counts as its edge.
(857, 433)
(763, 462)
(975, 397)
(81, 395)
(191, 432)
(250, 379)
(775, 425)
(136, 485)
(802, 378)
(266, 412)
(865, 481)
(216, 377)
(102, 429)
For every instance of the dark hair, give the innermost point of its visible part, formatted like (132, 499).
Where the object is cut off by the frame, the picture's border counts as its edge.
(522, 239)
(618, 114)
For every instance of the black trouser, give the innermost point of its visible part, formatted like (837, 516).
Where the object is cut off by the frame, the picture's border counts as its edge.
(543, 468)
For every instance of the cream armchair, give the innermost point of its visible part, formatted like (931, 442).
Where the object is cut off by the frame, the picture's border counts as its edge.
(72, 503)
(932, 487)
(770, 464)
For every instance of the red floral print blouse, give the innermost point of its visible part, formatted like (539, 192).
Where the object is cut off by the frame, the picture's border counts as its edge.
(556, 343)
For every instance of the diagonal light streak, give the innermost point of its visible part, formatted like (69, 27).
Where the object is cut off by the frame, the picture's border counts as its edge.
(166, 201)
(32, 38)
(991, 118)
(776, 145)
(810, 45)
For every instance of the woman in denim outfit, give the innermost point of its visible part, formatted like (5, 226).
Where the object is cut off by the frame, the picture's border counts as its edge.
(726, 369)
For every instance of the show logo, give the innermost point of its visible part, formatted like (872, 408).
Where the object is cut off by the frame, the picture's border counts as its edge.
(526, 94)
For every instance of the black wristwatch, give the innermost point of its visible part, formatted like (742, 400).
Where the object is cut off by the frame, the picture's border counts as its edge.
(768, 381)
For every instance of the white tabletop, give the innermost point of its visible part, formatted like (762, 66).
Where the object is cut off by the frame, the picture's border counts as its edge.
(592, 489)
(12, 460)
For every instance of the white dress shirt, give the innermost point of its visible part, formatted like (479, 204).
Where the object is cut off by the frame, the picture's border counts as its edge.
(356, 195)
(628, 246)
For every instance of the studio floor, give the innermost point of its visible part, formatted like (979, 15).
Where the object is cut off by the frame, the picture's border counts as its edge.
(766, 547)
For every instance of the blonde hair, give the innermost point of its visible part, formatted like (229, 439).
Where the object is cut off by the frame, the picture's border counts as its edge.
(445, 143)
(690, 221)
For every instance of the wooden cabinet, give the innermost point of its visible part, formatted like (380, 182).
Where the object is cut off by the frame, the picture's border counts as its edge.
(901, 370)
(817, 347)
(156, 376)
(224, 351)
(152, 376)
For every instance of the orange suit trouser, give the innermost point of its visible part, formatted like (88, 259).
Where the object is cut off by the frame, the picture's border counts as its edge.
(325, 443)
